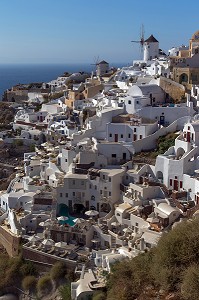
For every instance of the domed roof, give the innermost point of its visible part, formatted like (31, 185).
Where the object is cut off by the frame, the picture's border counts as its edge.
(195, 36)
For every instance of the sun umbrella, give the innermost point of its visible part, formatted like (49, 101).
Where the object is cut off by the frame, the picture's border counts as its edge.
(115, 223)
(34, 238)
(61, 244)
(36, 177)
(127, 230)
(78, 220)
(48, 242)
(45, 223)
(91, 213)
(62, 218)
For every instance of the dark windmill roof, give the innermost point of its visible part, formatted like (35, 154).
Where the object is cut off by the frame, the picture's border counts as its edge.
(151, 39)
(102, 62)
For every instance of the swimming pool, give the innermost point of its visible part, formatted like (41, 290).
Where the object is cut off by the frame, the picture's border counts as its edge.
(63, 211)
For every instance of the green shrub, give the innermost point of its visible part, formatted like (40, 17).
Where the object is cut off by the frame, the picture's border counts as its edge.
(99, 295)
(65, 292)
(29, 283)
(44, 283)
(28, 268)
(58, 271)
(32, 148)
(18, 143)
(190, 283)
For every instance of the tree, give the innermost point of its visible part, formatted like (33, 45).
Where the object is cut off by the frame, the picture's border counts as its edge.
(65, 292)
(58, 271)
(29, 283)
(190, 283)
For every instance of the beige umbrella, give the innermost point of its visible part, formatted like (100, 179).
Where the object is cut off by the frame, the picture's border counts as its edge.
(45, 223)
(61, 244)
(78, 220)
(92, 213)
(62, 218)
(48, 242)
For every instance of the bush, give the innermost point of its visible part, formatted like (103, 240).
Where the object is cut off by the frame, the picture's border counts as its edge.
(32, 148)
(99, 296)
(175, 251)
(190, 283)
(44, 283)
(57, 271)
(65, 292)
(29, 283)
(28, 268)
(18, 143)
(172, 266)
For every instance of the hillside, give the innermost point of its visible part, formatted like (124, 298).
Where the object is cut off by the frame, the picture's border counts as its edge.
(170, 271)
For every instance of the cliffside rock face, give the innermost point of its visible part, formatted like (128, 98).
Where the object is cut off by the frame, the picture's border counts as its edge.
(7, 113)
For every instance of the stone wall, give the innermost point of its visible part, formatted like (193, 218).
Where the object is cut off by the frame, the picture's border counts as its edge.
(9, 241)
(42, 257)
(174, 90)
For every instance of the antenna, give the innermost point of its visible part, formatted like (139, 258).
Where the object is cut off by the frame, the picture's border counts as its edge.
(141, 40)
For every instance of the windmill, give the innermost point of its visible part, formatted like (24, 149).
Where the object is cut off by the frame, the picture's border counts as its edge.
(96, 60)
(141, 40)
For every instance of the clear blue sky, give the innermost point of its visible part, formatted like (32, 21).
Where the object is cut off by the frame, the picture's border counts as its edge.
(68, 31)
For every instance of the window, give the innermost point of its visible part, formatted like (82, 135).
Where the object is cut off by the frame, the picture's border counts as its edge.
(129, 102)
(90, 186)
(121, 136)
(176, 177)
(95, 187)
(170, 182)
(129, 135)
(73, 193)
(83, 194)
(114, 155)
(82, 182)
(134, 129)
(73, 182)
(66, 160)
(100, 191)
(110, 135)
(66, 195)
(109, 193)
(109, 179)
(140, 136)
(188, 127)
(137, 102)
(60, 195)
(136, 224)
(180, 184)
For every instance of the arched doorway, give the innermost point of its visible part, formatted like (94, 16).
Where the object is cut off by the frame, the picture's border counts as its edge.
(105, 207)
(78, 208)
(183, 78)
(159, 176)
(63, 210)
(179, 153)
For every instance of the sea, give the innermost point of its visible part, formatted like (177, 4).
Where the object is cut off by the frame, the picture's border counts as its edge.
(12, 74)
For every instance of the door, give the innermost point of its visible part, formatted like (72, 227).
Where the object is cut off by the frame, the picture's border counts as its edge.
(87, 205)
(188, 136)
(116, 137)
(161, 120)
(176, 185)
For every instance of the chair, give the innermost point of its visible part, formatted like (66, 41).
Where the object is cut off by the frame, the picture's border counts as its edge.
(64, 254)
(51, 250)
